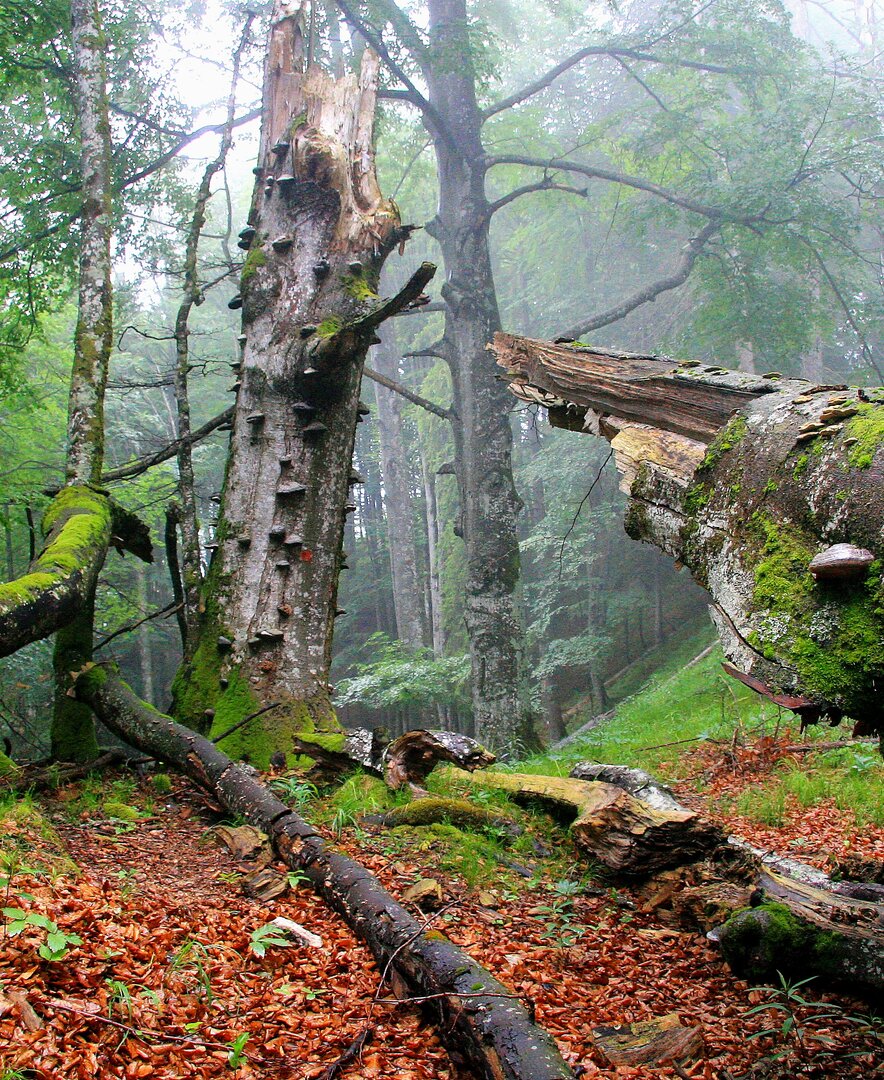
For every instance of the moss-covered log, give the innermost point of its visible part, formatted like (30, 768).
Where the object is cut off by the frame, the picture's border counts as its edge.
(458, 812)
(802, 930)
(627, 834)
(479, 1019)
(770, 490)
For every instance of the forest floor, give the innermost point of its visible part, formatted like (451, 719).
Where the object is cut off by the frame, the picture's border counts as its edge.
(157, 968)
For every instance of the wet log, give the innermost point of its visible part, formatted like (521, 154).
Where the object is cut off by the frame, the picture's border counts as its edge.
(482, 1023)
(768, 489)
(412, 757)
(802, 930)
(626, 834)
(462, 814)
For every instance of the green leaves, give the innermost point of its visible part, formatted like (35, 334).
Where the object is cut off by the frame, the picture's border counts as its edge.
(265, 937)
(56, 943)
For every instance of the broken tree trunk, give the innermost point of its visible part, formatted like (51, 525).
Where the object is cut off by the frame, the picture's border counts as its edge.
(412, 757)
(768, 489)
(624, 833)
(479, 1019)
(318, 233)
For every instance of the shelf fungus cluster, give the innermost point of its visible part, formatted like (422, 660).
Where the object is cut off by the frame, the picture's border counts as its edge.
(770, 490)
(317, 235)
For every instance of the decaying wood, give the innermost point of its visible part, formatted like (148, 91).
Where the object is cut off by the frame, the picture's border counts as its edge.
(458, 812)
(624, 833)
(477, 1017)
(412, 757)
(800, 929)
(754, 483)
(638, 783)
(649, 1042)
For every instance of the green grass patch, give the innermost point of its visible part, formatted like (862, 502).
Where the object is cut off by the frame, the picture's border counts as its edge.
(680, 705)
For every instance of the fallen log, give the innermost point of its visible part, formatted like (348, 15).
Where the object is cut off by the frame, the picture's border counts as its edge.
(462, 814)
(480, 1021)
(768, 489)
(412, 757)
(626, 834)
(803, 930)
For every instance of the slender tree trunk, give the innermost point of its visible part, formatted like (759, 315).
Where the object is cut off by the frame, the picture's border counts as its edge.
(407, 584)
(188, 516)
(435, 576)
(73, 729)
(319, 231)
(7, 531)
(482, 435)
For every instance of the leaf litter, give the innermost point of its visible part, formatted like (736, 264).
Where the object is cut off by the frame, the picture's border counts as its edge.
(165, 983)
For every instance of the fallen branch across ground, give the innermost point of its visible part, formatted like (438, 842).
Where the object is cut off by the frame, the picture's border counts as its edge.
(476, 1018)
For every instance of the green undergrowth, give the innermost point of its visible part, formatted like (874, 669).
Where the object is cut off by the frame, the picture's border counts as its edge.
(28, 842)
(118, 799)
(852, 777)
(679, 705)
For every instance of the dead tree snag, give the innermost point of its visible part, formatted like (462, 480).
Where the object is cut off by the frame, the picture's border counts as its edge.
(318, 233)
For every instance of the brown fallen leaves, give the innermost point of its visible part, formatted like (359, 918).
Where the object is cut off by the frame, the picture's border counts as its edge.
(165, 985)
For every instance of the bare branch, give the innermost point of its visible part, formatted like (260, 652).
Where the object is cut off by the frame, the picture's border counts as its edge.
(547, 184)
(136, 468)
(409, 395)
(167, 610)
(611, 51)
(614, 177)
(650, 292)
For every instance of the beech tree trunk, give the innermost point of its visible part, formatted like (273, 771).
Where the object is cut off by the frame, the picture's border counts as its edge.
(318, 234)
(770, 490)
(483, 1024)
(407, 585)
(482, 434)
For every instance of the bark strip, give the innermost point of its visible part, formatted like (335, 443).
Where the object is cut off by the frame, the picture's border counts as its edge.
(477, 1016)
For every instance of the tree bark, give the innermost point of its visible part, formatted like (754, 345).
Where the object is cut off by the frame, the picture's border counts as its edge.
(746, 480)
(73, 731)
(318, 234)
(478, 1018)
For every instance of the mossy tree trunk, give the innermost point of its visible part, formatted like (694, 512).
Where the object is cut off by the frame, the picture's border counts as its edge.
(73, 729)
(318, 233)
(746, 479)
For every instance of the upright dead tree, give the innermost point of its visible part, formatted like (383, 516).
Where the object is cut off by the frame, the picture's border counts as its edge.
(768, 489)
(318, 233)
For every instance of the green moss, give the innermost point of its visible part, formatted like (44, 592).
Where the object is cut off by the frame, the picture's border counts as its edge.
(435, 935)
(734, 431)
(758, 942)
(359, 287)
(296, 123)
(432, 811)
(329, 327)
(830, 634)
(162, 783)
(255, 259)
(121, 811)
(867, 427)
(800, 465)
(81, 521)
